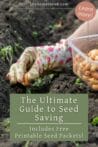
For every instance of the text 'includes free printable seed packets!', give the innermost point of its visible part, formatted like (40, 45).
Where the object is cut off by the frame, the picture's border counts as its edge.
(49, 117)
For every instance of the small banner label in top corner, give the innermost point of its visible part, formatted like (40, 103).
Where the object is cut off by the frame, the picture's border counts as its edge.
(85, 11)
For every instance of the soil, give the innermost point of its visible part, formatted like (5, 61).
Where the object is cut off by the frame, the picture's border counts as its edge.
(16, 27)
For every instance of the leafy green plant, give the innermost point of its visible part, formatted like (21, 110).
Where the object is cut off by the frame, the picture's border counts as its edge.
(28, 91)
(38, 82)
(6, 124)
(6, 53)
(54, 26)
(35, 34)
(27, 144)
(17, 46)
(51, 26)
(94, 121)
(42, 81)
(77, 144)
(78, 82)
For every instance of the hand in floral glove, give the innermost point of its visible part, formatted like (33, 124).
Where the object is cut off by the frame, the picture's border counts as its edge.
(36, 60)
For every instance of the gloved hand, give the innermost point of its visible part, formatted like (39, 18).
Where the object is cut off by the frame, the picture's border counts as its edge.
(36, 60)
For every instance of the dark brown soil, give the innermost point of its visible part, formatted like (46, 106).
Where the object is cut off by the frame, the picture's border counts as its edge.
(16, 26)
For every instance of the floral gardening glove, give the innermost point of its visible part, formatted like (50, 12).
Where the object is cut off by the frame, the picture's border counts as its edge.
(36, 60)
